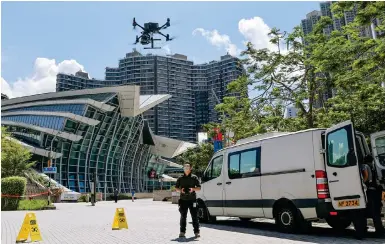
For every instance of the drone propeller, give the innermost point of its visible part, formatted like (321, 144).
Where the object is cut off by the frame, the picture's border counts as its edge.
(171, 38)
(175, 23)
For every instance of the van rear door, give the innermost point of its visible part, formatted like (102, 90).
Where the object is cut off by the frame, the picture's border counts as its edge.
(344, 177)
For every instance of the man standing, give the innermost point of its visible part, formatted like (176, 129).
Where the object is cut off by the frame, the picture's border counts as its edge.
(116, 194)
(133, 195)
(187, 185)
(374, 205)
(374, 196)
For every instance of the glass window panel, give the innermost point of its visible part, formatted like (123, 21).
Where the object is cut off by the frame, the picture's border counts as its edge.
(380, 147)
(217, 167)
(248, 162)
(72, 176)
(338, 148)
(73, 169)
(234, 165)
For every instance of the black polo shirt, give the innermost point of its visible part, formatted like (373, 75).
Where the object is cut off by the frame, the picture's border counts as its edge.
(185, 182)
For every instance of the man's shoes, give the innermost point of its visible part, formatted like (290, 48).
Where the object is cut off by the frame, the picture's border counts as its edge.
(379, 233)
(358, 236)
(197, 235)
(182, 235)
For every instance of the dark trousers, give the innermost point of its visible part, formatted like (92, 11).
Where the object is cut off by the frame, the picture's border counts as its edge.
(375, 207)
(373, 211)
(116, 198)
(359, 222)
(184, 206)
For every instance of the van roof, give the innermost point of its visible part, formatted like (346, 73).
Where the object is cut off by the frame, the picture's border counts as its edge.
(268, 136)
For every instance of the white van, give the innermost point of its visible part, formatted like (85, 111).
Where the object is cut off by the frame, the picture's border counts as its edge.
(294, 178)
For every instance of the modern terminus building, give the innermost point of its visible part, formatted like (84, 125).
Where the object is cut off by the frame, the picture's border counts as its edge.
(98, 130)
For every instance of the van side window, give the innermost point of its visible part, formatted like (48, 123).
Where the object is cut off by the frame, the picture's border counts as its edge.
(214, 169)
(217, 167)
(207, 174)
(234, 165)
(245, 163)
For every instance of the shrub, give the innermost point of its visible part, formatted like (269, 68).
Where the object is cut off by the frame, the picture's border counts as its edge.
(35, 204)
(83, 198)
(12, 186)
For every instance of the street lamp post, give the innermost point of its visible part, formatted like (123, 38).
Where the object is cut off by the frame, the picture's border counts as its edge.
(50, 158)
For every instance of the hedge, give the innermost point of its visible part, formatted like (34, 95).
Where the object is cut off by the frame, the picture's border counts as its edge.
(35, 204)
(13, 185)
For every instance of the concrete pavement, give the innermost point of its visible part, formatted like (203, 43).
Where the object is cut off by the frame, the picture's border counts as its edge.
(154, 223)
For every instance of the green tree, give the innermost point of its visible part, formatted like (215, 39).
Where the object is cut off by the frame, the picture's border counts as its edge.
(302, 68)
(15, 159)
(237, 114)
(356, 65)
(281, 77)
(199, 157)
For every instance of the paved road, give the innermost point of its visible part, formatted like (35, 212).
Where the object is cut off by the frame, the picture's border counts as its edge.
(153, 223)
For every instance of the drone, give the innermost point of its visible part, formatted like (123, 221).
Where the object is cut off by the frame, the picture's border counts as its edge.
(149, 30)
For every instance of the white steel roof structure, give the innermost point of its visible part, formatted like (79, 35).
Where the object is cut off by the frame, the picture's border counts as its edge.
(130, 101)
(169, 148)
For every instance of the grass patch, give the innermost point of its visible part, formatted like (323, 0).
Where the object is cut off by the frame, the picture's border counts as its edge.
(35, 204)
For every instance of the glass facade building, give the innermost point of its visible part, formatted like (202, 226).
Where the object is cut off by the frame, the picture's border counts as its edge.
(93, 130)
(194, 89)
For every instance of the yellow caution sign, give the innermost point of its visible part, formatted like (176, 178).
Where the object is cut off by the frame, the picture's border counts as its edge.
(120, 221)
(29, 227)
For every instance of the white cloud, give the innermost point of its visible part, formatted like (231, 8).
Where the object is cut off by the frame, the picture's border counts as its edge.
(167, 49)
(256, 31)
(43, 78)
(218, 40)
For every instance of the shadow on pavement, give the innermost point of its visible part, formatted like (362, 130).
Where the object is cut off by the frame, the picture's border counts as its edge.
(314, 235)
(185, 239)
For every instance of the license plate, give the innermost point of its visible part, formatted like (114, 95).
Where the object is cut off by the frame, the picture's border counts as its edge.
(349, 203)
(383, 196)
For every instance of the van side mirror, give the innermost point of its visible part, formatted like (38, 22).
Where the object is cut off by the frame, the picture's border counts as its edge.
(204, 178)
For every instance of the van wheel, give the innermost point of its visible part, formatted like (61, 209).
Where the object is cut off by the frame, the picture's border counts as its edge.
(204, 215)
(338, 223)
(288, 219)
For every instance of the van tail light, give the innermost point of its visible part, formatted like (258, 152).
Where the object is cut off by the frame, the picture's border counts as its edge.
(322, 184)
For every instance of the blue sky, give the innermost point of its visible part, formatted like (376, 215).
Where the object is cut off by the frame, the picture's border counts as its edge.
(98, 34)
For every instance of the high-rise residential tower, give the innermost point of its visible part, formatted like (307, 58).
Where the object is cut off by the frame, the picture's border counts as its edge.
(195, 89)
(311, 19)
